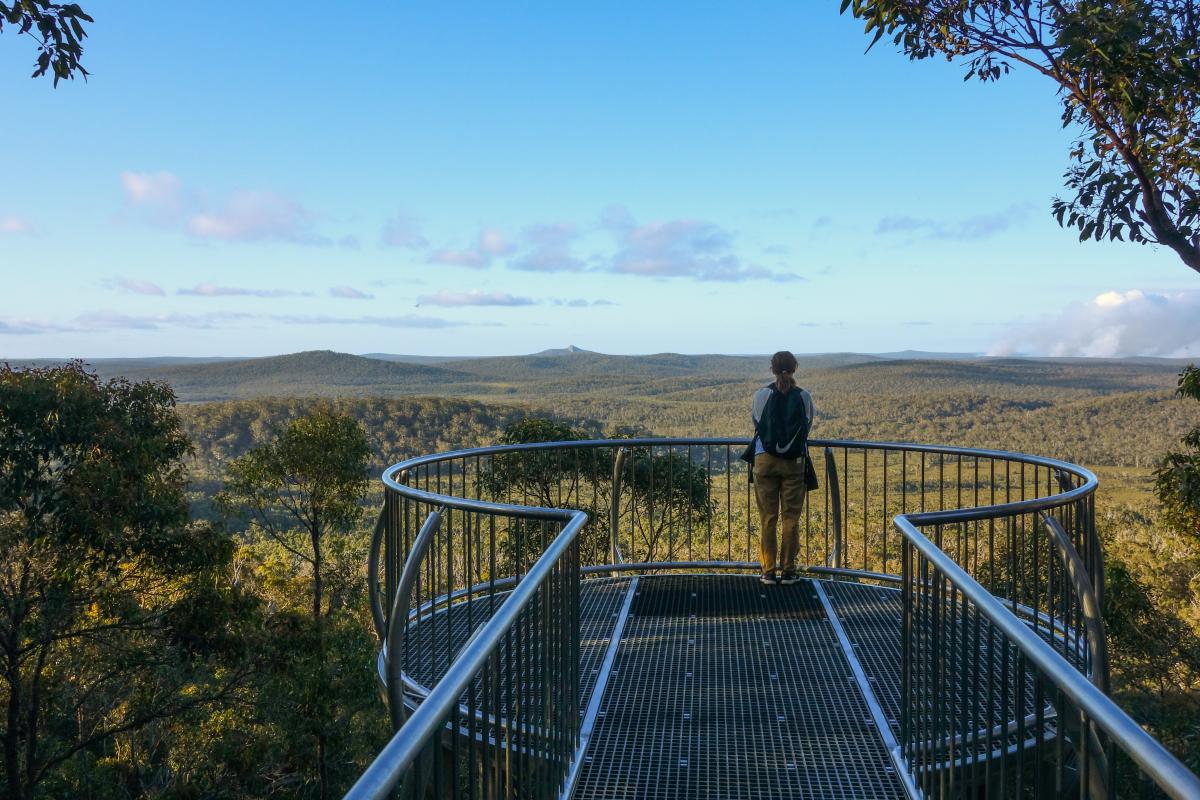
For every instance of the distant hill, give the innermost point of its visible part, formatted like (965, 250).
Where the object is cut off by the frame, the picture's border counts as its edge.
(316, 372)
(407, 359)
(563, 351)
(572, 375)
(927, 355)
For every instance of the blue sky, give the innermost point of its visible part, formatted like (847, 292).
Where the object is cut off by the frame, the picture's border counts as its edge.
(487, 178)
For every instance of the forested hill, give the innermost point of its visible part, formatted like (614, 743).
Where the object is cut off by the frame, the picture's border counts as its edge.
(574, 372)
(1098, 412)
(397, 428)
(313, 373)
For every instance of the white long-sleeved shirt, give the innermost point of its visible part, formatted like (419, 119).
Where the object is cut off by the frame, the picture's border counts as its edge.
(759, 401)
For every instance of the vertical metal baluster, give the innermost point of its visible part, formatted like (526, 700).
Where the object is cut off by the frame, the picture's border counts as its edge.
(866, 521)
(906, 649)
(729, 502)
(669, 506)
(650, 511)
(845, 481)
(750, 523)
(708, 522)
(885, 528)
(1022, 675)
(690, 477)
(923, 486)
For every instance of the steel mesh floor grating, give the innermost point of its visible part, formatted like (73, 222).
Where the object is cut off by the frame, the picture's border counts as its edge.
(437, 637)
(724, 688)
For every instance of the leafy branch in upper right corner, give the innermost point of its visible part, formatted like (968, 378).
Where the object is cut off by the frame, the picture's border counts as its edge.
(1128, 75)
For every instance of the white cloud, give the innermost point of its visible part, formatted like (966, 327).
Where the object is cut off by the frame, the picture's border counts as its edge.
(689, 248)
(114, 320)
(160, 194)
(106, 320)
(492, 242)
(490, 245)
(162, 199)
(473, 297)
(212, 290)
(1111, 325)
(12, 224)
(26, 327)
(403, 231)
(255, 217)
(404, 321)
(580, 302)
(969, 229)
(550, 249)
(349, 293)
(135, 286)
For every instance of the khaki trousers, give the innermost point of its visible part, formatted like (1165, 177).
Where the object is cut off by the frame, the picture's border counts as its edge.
(779, 489)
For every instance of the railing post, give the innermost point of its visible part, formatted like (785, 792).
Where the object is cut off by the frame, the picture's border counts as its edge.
(906, 647)
(398, 623)
(374, 595)
(614, 515)
(834, 559)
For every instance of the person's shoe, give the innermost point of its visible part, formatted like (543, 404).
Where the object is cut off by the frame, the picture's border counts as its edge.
(789, 577)
(768, 578)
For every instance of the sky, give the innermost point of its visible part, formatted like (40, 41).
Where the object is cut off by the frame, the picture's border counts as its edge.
(499, 178)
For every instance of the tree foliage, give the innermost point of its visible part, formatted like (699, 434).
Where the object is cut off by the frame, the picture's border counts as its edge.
(58, 29)
(1128, 74)
(100, 573)
(304, 490)
(1177, 479)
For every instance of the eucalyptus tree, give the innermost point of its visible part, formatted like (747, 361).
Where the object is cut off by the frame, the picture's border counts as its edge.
(101, 575)
(304, 490)
(1177, 479)
(1128, 77)
(58, 29)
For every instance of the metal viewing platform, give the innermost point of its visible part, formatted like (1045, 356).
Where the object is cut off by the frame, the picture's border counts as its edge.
(584, 619)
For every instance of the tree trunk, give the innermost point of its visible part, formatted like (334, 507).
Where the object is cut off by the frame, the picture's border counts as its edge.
(322, 771)
(322, 767)
(12, 730)
(1165, 229)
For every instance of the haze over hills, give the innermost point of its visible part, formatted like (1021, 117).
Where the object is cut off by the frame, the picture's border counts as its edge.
(572, 373)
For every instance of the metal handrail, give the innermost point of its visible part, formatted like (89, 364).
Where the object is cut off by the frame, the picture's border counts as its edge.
(405, 745)
(377, 616)
(394, 476)
(1092, 620)
(1170, 774)
(399, 617)
(443, 697)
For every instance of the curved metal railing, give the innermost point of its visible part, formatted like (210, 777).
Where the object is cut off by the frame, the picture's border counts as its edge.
(476, 566)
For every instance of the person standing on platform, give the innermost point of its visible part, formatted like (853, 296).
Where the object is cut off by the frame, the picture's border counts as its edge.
(783, 415)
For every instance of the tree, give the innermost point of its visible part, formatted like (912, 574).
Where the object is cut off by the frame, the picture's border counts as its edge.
(1177, 479)
(659, 490)
(304, 490)
(665, 491)
(1128, 73)
(550, 479)
(58, 28)
(100, 573)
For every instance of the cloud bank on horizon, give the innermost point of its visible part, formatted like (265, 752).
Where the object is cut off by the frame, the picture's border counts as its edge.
(617, 245)
(1113, 325)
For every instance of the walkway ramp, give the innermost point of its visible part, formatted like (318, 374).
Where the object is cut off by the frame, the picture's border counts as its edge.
(724, 688)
